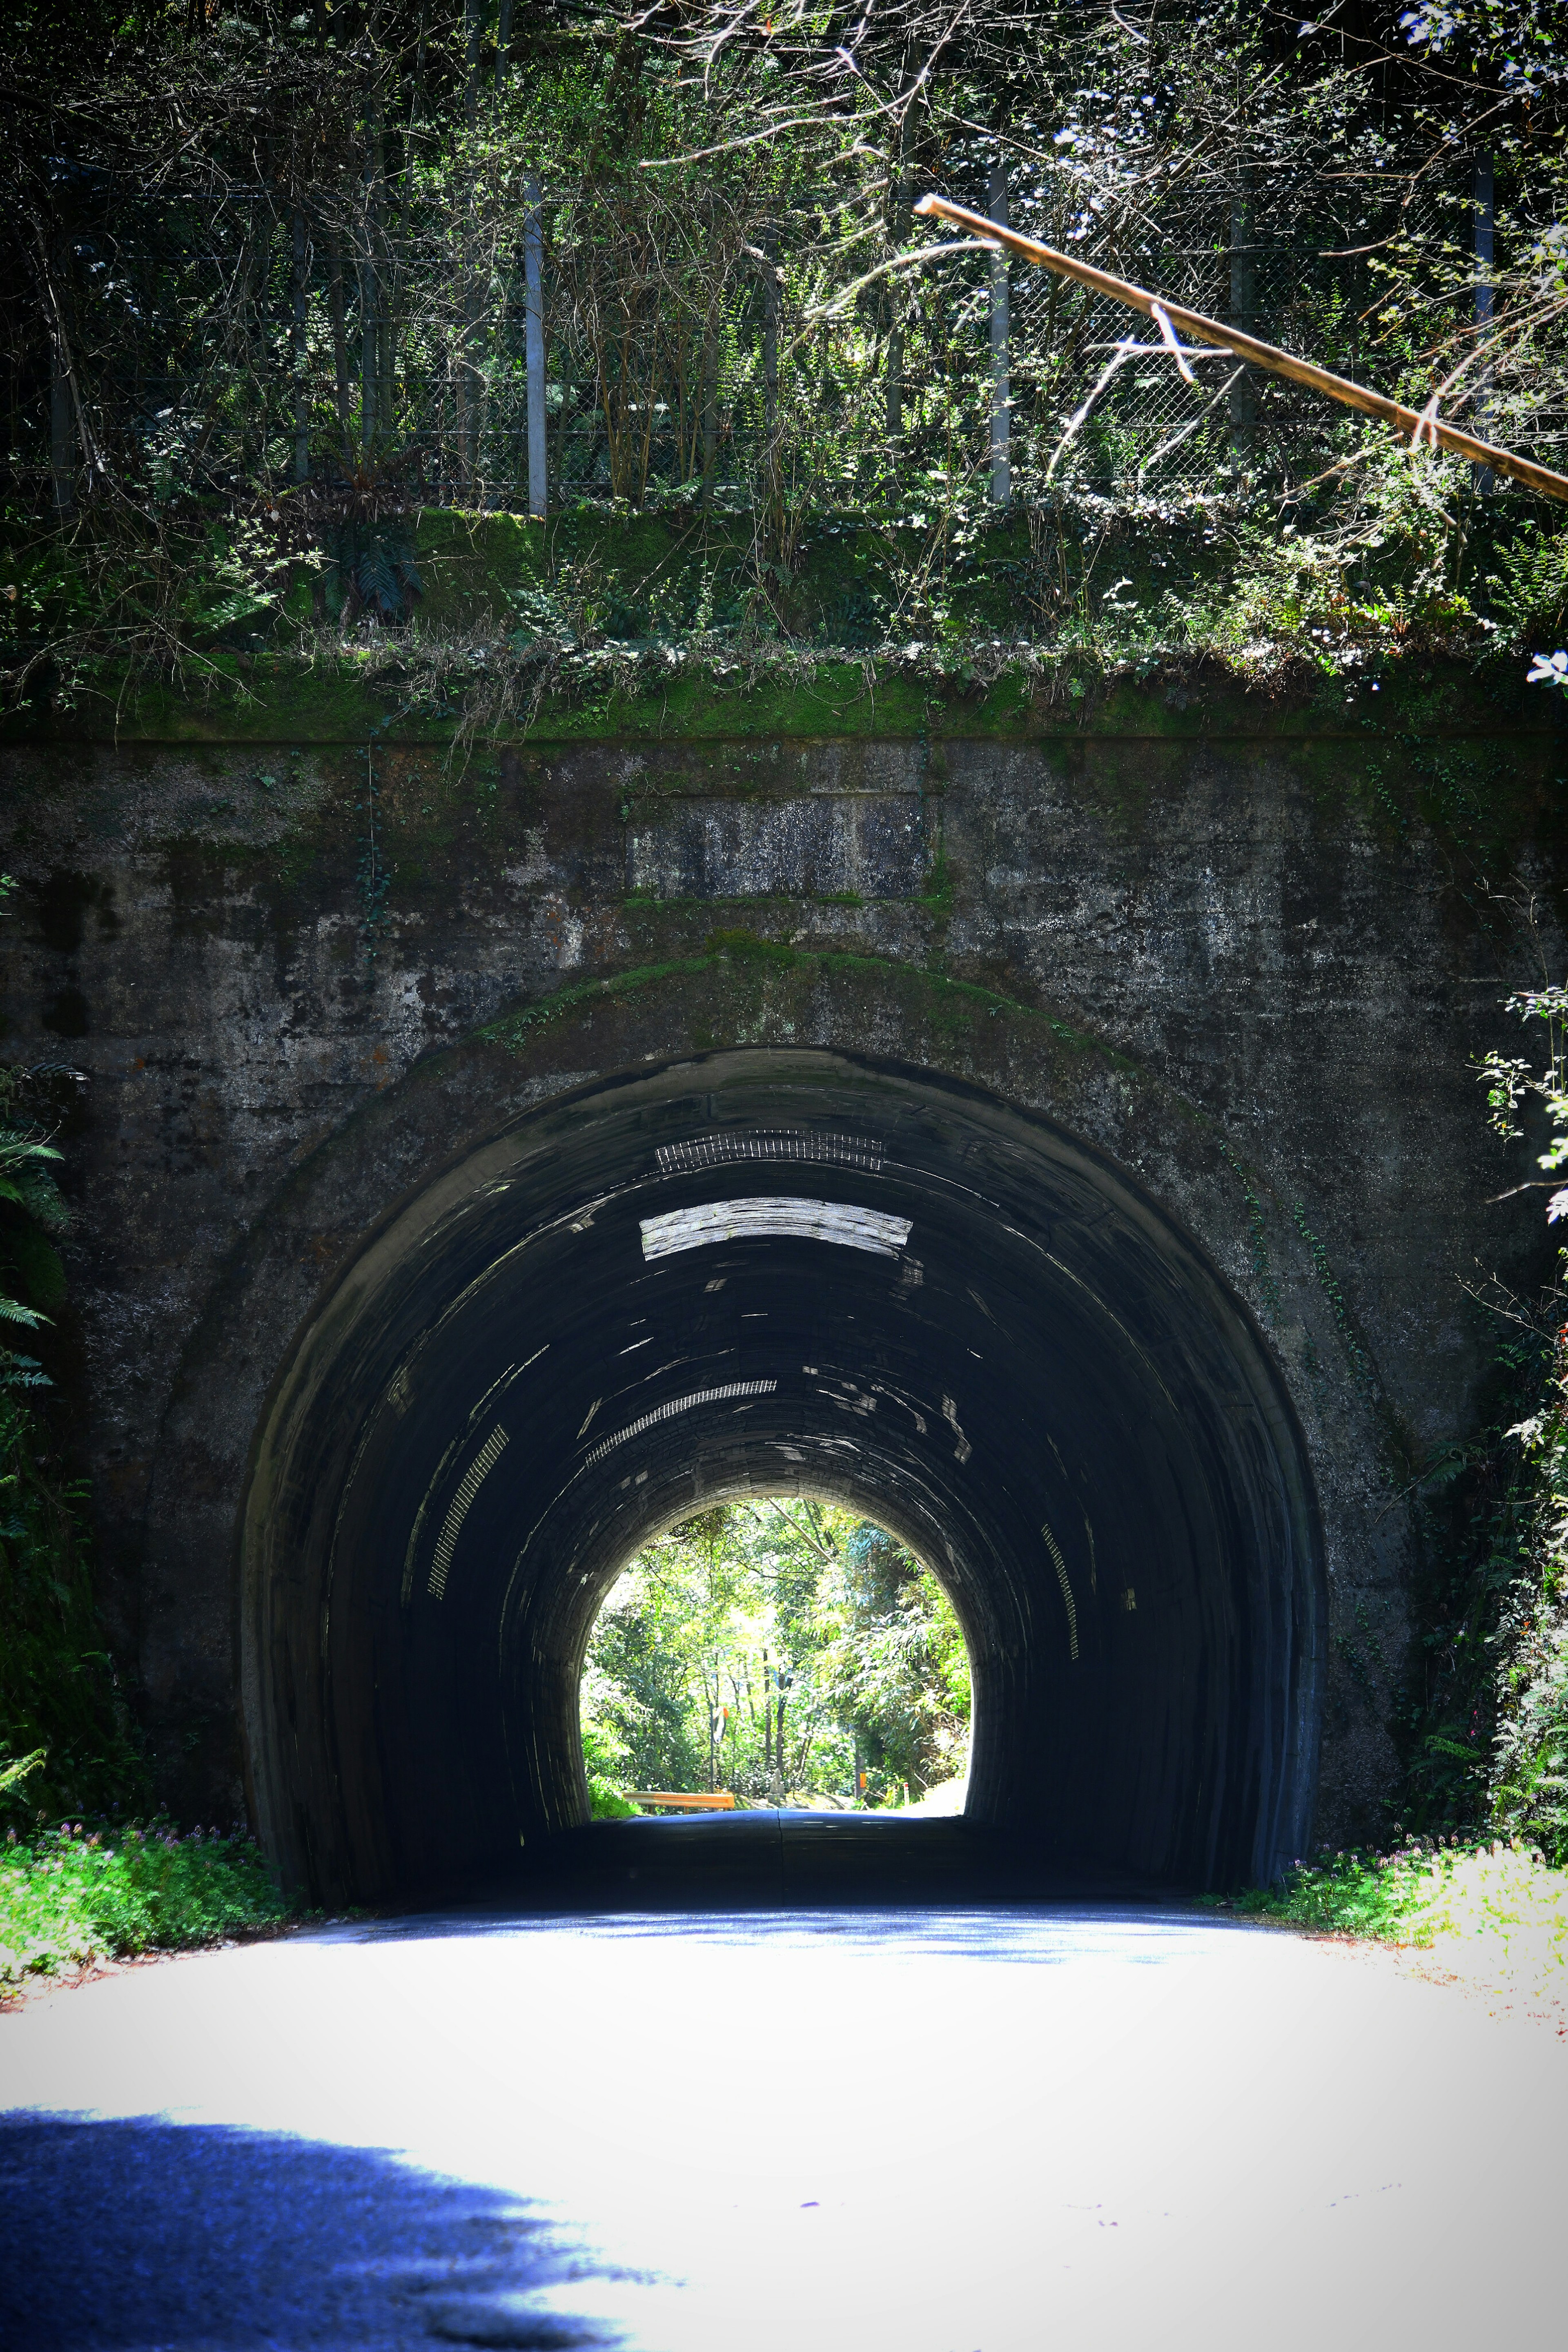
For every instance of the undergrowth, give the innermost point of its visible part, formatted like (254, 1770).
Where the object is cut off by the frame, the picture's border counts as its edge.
(494, 620)
(1426, 1893)
(70, 1897)
(66, 1740)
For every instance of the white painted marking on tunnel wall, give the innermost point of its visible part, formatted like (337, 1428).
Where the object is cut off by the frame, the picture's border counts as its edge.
(769, 1219)
(1054, 1549)
(417, 1530)
(668, 1412)
(908, 1402)
(473, 1477)
(769, 1143)
(513, 1372)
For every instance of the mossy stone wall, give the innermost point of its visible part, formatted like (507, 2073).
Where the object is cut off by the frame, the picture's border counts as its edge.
(305, 947)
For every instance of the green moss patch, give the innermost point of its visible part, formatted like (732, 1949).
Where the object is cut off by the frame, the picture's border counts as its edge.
(948, 1003)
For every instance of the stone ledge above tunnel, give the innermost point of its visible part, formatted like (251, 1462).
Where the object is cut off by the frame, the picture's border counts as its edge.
(1044, 1388)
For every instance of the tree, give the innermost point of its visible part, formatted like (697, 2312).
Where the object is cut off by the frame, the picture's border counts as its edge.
(765, 1646)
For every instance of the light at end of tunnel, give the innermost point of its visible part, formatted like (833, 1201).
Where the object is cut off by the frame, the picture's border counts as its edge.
(766, 1219)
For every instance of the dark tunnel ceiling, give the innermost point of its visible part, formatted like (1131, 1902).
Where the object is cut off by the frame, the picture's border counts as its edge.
(768, 1273)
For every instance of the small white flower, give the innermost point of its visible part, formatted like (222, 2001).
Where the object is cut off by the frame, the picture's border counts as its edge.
(1549, 669)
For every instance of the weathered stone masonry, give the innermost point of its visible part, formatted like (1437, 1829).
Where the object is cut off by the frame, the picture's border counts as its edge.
(1243, 951)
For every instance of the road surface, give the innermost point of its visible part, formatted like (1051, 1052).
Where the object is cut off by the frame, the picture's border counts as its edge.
(977, 2128)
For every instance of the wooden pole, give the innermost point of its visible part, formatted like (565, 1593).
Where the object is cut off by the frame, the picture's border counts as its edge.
(1414, 422)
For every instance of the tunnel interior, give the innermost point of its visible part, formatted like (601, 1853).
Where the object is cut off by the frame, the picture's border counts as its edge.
(768, 1273)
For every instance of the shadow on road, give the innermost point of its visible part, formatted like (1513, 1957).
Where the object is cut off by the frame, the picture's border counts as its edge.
(150, 2233)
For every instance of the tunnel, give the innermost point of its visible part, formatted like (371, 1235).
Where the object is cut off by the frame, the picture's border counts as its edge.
(768, 1273)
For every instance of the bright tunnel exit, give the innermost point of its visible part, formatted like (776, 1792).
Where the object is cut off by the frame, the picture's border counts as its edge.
(776, 1651)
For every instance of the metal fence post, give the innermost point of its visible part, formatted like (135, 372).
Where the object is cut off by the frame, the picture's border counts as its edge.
(301, 290)
(1242, 400)
(1484, 202)
(534, 343)
(1001, 396)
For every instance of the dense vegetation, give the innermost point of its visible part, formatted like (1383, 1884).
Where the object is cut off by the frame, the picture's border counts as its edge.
(66, 1741)
(74, 1896)
(269, 276)
(784, 1649)
(1493, 1914)
(74, 1892)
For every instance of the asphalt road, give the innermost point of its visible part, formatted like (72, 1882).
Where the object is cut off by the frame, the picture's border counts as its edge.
(968, 2129)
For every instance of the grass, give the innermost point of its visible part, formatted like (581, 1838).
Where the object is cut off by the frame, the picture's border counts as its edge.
(70, 1898)
(1493, 1912)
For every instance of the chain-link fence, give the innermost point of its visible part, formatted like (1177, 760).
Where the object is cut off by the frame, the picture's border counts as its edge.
(226, 341)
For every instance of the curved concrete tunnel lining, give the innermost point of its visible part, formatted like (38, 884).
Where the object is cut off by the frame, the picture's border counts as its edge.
(1044, 1388)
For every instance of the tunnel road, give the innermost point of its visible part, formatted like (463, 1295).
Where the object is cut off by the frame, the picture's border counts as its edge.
(961, 2129)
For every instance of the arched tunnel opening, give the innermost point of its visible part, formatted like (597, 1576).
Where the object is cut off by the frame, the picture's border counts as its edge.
(778, 1272)
(777, 1652)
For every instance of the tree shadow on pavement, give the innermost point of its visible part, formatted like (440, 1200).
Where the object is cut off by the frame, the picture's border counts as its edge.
(151, 2233)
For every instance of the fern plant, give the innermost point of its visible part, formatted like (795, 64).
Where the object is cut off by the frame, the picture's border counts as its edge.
(1529, 1755)
(32, 1278)
(66, 1736)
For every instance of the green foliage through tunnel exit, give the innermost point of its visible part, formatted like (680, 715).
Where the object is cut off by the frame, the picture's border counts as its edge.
(784, 1650)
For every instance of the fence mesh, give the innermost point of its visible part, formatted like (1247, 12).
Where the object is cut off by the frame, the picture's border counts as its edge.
(233, 343)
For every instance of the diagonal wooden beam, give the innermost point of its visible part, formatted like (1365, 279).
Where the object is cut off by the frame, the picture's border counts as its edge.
(1414, 422)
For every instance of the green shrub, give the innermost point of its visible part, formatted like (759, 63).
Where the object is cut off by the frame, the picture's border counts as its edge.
(70, 1897)
(607, 1760)
(67, 1741)
(1424, 1893)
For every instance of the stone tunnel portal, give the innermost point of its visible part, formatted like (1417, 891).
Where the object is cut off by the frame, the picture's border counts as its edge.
(761, 1273)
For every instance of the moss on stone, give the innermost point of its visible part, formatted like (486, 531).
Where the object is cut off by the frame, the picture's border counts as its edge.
(947, 1003)
(514, 1029)
(783, 693)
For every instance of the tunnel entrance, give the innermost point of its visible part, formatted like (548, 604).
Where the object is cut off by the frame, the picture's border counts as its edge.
(777, 1652)
(780, 1271)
